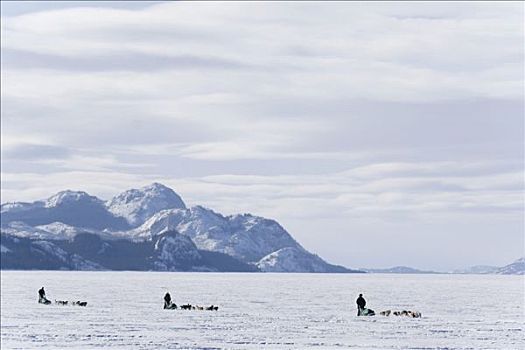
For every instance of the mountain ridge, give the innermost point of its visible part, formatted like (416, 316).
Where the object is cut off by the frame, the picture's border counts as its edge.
(400, 270)
(147, 214)
(516, 267)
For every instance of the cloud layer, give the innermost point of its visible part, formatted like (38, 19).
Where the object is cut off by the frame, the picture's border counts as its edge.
(398, 124)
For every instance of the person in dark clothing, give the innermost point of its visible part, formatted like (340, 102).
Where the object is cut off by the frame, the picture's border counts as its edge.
(42, 296)
(361, 303)
(167, 301)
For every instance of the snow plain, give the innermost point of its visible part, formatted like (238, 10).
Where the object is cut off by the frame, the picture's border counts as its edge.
(260, 311)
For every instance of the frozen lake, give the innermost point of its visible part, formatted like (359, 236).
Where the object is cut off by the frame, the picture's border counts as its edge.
(273, 311)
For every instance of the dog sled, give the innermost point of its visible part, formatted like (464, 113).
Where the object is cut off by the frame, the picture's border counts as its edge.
(44, 301)
(366, 312)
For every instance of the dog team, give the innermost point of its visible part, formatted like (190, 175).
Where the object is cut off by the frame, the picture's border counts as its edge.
(168, 304)
(43, 300)
(363, 311)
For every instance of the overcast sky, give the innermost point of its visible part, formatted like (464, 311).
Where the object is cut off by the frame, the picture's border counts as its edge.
(377, 134)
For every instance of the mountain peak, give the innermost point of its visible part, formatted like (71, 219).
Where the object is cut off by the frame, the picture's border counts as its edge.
(200, 210)
(137, 205)
(69, 196)
(156, 186)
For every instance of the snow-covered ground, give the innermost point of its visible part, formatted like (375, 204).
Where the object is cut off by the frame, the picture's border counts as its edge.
(272, 311)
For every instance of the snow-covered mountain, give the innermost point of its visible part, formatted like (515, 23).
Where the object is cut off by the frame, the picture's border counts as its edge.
(246, 237)
(69, 197)
(137, 205)
(77, 208)
(296, 259)
(147, 214)
(249, 238)
(515, 268)
(74, 208)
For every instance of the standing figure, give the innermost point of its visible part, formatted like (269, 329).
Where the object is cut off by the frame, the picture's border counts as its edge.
(42, 296)
(361, 303)
(167, 302)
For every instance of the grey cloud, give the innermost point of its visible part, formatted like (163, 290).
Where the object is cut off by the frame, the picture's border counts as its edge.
(427, 17)
(147, 33)
(482, 128)
(14, 166)
(12, 8)
(131, 61)
(339, 120)
(99, 127)
(35, 152)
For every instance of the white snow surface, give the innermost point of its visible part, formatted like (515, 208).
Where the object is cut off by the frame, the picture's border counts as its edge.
(260, 311)
(137, 205)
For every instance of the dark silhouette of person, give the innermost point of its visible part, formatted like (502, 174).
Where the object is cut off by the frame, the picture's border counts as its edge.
(42, 296)
(361, 303)
(167, 301)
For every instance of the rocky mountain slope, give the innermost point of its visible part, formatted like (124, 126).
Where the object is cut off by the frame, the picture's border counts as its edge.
(144, 217)
(170, 251)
